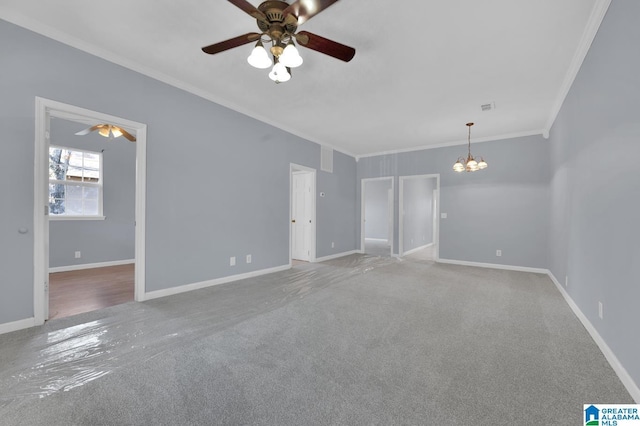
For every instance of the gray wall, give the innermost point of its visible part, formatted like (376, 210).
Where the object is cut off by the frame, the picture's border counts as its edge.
(376, 209)
(98, 240)
(418, 212)
(595, 186)
(217, 181)
(502, 207)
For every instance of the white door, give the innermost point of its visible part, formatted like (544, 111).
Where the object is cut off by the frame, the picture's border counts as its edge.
(301, 216)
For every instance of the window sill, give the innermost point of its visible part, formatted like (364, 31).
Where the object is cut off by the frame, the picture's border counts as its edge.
(64, 217)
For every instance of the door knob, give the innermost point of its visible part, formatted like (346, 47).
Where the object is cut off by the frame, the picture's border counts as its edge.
(293, 221)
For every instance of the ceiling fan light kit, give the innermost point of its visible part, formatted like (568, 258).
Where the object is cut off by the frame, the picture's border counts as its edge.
(469, 164)
(108, 131)
(259, 57)
(278, 22)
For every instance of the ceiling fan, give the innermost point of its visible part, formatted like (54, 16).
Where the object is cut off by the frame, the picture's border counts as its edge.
(278, 22)
(108, 131)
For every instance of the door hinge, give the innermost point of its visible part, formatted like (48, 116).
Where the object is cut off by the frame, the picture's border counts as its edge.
(46, 210)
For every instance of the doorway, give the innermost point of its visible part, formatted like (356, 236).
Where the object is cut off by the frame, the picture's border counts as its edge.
(91, 219)
(302, 230)
(376, 232)
(46, 110)
(419, 206)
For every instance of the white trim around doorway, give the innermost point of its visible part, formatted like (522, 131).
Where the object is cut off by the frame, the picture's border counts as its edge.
(436, 233)
(362, 210)
(45, 109)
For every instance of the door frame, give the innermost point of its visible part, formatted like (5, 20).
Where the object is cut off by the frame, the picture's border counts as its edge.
(436, 221)
(312, 241)
(363, 208)
(45, 109)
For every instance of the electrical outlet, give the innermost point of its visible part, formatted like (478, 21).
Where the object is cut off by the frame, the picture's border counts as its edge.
(248, 258)
(232, 261)
(600, 312)
(333, 245)
(78, 255)
(498, 253)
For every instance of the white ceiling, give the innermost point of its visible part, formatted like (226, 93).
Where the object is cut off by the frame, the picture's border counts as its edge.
(421, 71)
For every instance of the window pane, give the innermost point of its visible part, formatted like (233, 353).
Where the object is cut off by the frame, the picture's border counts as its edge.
(56, 206)
(74, 191)
(74, 173)
(90, 193)
(91, 175)
(73, 207)
(91, 207)
(75, 167)
(75, 158)
(56, 189)
(58, 161)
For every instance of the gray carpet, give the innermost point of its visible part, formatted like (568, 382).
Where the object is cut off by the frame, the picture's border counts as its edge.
(360, 340)
(377, 248)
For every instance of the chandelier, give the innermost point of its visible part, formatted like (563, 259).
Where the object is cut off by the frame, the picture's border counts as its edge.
(285, 57)
(469, 164)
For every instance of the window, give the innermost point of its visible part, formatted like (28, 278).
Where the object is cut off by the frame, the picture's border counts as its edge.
(75, 183)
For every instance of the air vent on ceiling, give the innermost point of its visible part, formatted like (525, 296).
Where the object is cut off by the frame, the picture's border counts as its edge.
(326, 159)
(488, 107)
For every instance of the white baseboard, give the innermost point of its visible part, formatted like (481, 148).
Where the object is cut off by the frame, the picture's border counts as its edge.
(413, 250)
(90, 265)
(377, 240)
(495, 266)
(203, 284)
(622, 373)
(336, 255)
(8, 327)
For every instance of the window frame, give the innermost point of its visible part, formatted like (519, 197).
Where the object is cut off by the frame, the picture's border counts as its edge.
(99, 185)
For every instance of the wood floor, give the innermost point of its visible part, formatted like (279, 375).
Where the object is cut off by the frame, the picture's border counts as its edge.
(75, 292)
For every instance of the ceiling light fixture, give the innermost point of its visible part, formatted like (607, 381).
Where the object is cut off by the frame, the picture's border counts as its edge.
(283, 58)
(259, 57)
(278, 23)
(469, 164)
(108, 131)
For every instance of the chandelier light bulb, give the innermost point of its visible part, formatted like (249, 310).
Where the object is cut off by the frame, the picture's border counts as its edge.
(458, 167)
(115, 132)
(279, 73)
(290, 56)
(259, 57)
(482, 164)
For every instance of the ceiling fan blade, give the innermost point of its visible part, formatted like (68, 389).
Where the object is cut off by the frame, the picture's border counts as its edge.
(307, 9)
(326, 46)
(89, 130)
(250, 9)
(127, 135)
(231, 43)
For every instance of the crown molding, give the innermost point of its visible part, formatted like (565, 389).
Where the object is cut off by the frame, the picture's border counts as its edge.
(59, 36)
(455, 143)
(593, 24)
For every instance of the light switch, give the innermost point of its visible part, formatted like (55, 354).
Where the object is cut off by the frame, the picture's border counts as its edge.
(443, 215)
